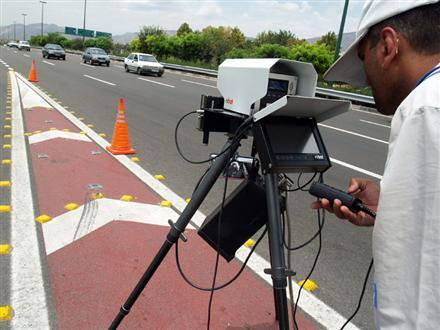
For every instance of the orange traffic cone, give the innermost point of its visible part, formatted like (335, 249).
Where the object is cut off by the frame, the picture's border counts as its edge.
(121, 141)
(32, 73)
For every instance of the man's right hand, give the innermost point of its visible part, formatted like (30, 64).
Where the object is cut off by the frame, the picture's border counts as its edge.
(366, 190)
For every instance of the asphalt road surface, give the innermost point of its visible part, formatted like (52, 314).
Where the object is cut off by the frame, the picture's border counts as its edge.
(357, 141)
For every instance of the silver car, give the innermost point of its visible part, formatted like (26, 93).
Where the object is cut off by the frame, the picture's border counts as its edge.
(53, 50)
(96, 56)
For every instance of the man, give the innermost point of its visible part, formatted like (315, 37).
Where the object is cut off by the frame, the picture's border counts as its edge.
(397, 53)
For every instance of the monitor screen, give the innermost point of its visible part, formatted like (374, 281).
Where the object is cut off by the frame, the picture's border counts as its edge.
(291, 138)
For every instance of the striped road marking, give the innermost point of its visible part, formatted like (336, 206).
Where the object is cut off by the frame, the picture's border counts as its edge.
(353, 133)
(373, 123)
(309, 303)
(100, 80)
(197, 83)
(156, 82)
(28, 297)
(48, 62)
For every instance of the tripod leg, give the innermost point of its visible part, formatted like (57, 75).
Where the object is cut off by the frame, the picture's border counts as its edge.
(277, 260)
(178, 228)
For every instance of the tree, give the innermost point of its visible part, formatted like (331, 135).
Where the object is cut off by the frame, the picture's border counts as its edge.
(175, 46)
(77, 43)
(318, 54)
(329, 40)
(282, 37)
(238, 53)
(220, 40)
(89, 43)
(183, 30)
(272, 51)
(146, 31)
(157, 45)
(135, 45)
(105, 43)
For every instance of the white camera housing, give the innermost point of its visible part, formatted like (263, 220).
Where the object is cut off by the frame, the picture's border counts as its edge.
(245, 84)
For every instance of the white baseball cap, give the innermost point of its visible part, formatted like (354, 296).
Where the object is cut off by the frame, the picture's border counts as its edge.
(349, 68)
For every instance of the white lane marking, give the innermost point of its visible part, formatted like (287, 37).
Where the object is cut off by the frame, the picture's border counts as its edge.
(90, 66)
(26, 55)
(28, 297)
(156, 82)
(373, 123)
(197, 83)
(103, 81)
(358, 169)
(372, 113)
(353, 133)
(50, 135)
(317, 309)
(48, 62)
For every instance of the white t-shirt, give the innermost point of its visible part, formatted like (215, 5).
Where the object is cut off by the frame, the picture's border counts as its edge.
(406, 235)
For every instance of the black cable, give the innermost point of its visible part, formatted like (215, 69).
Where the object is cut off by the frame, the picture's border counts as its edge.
(310, 240)
(299, 187)
(217, 258)
(320, 224)
(289, 256)
(236, 138)
(361, 296)
(195, 286)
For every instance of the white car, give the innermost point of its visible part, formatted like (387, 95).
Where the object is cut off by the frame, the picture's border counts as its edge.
(12, 44)
(143, 63)
(24, 45)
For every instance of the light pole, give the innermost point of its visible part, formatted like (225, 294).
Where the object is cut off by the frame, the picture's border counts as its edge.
(84, 23)
(341, 31)
(24, 26)
(42, 9)
(14, 32)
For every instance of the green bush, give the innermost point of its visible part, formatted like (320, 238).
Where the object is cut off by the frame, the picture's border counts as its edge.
(318, 54)
(271, 51)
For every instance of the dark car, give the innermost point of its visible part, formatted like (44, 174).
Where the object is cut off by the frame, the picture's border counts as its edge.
(53, 50)
(96, 56)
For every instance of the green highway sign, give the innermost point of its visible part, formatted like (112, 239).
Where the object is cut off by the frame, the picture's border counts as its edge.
(103, 34)
(70, 30)
(86, 33)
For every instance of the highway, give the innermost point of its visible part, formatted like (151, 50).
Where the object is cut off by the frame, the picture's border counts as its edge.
(357, 141)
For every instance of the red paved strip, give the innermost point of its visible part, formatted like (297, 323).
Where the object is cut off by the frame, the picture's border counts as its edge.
(92, 277)
(36, 119)
(64, 176)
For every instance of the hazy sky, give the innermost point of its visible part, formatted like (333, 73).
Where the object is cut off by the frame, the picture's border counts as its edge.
(304, 18)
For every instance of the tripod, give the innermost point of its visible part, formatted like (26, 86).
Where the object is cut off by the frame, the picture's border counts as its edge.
(277, 271)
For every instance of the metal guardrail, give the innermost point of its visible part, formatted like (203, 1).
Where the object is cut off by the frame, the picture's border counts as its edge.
(355, 98)
(322, 92)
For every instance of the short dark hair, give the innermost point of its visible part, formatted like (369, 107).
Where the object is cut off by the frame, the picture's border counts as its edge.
(420, 26)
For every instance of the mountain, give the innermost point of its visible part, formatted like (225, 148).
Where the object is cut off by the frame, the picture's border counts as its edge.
(129, 36)
(7, 32)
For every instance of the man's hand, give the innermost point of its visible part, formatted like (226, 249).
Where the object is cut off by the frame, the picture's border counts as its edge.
(366, 190)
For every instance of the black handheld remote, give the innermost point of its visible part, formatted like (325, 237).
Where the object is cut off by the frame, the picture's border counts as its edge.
(322, 190)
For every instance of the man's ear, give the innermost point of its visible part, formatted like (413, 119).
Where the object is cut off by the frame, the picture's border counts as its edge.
(388, 49)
